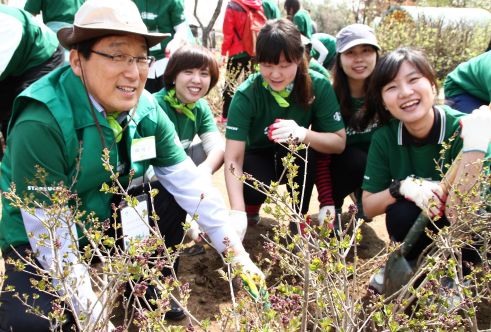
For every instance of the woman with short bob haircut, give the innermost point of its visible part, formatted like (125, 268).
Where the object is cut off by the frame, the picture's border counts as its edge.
(191, 73)
(284, 102)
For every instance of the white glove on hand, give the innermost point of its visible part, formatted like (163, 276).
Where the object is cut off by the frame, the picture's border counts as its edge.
(281, 130)
(427, 195)
(238, 221)
(193, 232)
(252, 277)
(476, 130)
(326, 211)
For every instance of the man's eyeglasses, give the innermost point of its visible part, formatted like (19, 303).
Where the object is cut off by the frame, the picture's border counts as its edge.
(142, 62)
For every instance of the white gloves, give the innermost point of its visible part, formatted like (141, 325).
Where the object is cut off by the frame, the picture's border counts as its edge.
(193, 232)
(238, 220)
(244, 262)
(427, 195)
(281, 130)
(327, 211)
(476, 130)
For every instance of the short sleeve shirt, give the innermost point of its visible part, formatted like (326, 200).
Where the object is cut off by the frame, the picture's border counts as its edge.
(253, 110)
(161, 16)
(472, 77)
(54, 10)
(389, 159)
(186, 128)
(360, 139)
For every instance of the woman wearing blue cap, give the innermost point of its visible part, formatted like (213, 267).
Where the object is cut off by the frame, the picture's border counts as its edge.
(357, 53)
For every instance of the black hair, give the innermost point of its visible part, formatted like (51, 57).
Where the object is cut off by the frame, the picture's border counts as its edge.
(343, 93)
(292, 6)
(281, 36)
(386, 70)
(190, 57)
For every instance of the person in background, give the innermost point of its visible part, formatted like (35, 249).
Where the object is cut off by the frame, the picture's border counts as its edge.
(313, 64)
(469, 85)
(191, 73)
(28, 51)
(283, 101)
(402, 178)
(324, 49)
(57, 14)
(357, 53)
(96, 103)
(271, 9)
(300, 17)
(238, 60)
(165, 17)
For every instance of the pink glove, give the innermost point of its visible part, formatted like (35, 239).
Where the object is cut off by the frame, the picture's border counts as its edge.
(427, 195)
(282, 130)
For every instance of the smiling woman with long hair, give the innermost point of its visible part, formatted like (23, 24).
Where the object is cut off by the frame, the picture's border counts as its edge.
(283, 101)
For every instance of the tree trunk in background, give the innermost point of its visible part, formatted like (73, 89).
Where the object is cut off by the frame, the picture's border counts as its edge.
(209, 27)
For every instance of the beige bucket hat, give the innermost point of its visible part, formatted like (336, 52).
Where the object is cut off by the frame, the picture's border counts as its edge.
(99, 18)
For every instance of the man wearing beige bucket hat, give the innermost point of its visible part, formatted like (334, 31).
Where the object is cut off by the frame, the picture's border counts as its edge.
(98, 102)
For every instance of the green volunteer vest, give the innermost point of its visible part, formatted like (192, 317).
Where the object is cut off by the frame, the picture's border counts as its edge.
(54, 10)
(62, 93)
(37, 45)
(330, 43)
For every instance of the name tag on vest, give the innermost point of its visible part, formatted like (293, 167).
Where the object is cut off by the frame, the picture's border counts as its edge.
(135, 222)
(143, 148)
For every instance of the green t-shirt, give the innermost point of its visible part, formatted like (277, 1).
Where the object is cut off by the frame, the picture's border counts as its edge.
(186, 128)
(330, 43)
(54, 10)
(271, 10)
(389, 158)
(472, 77)
(315, 66)
(36, 42)
(50, 120)
(161, 16)
(253, 110)
(304, 23)
(359, 139)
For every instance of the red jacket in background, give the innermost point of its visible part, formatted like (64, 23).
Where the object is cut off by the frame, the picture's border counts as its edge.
(233, 25)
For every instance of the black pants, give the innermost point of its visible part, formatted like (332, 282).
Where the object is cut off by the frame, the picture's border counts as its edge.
(234, 69)
(266, 166)
(399, 218)
(347, 170)
(13, 316)
(13, 85)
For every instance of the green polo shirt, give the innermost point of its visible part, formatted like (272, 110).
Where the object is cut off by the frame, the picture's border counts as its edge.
(54, 10)
(36, 45)
(330, 43)
(161, 16)
(51, 120)
(391, 158)
(304, 23)
(315, 66)
(360, 139)
(472, 77)
(186, 128)
(271, 10)
(253, 110)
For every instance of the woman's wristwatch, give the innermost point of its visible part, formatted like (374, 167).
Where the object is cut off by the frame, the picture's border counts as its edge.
(394, 190)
